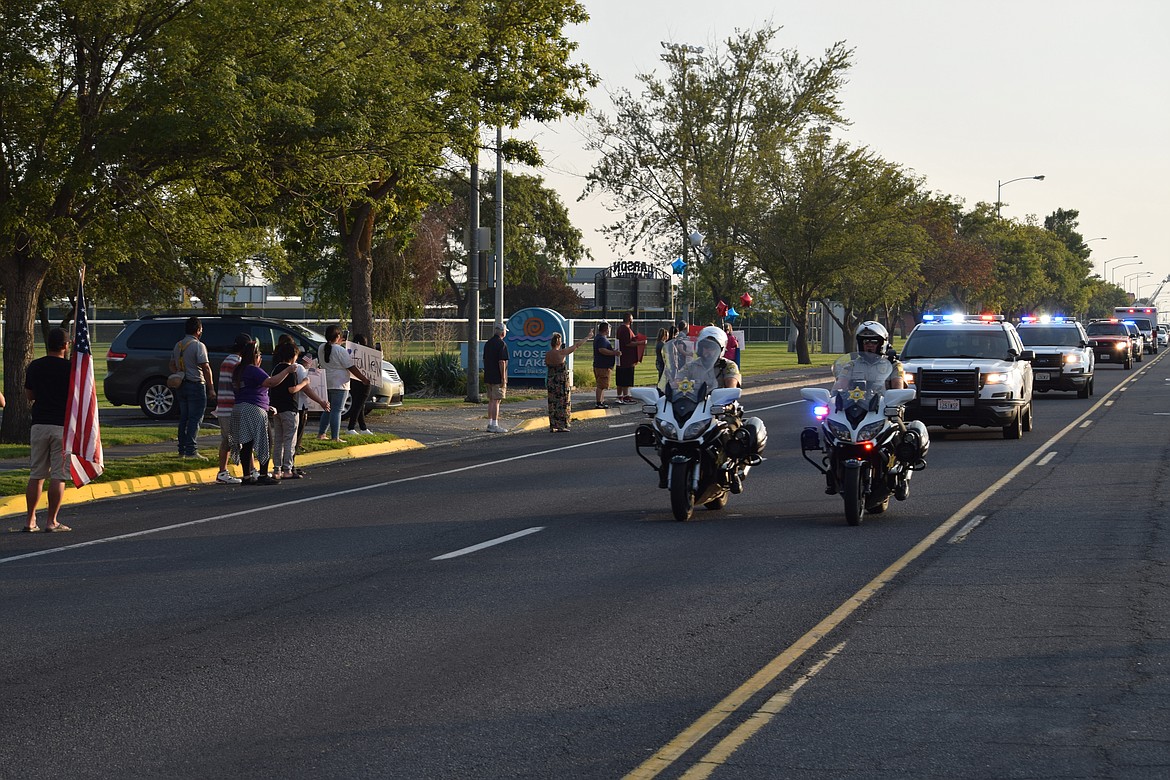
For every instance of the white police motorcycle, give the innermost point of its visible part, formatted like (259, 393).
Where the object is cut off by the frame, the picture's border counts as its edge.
(868, 450)
(704, 447)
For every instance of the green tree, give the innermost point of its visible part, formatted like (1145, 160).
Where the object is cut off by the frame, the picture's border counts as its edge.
(678, 157)
(540, 241)
(101, 105)
(832, 221)
(955, 265)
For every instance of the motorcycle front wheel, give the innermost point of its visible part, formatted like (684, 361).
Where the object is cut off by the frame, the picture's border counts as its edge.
(854, 500)
(682, 498)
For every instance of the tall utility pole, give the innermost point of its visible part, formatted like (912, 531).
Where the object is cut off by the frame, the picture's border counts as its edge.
(500, 225)
(473, 281)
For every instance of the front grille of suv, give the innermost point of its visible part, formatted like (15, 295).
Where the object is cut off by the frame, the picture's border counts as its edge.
(943, 381)
(1048, 361)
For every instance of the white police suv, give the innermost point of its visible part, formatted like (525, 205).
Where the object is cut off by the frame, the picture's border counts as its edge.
(969, 370)
(1064, 358)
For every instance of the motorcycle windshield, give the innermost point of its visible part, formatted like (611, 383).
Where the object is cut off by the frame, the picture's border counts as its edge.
(860, 377)
(689, 374)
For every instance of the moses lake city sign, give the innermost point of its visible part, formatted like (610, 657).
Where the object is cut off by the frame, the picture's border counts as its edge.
(530, 332)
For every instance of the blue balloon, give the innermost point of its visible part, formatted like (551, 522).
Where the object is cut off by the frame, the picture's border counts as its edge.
(679, 266)
(732, 314)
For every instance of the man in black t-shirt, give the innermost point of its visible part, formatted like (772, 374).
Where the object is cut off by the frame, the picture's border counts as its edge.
(46, 385)
(495, 375)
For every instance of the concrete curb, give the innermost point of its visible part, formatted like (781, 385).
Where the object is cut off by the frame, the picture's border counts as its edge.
(15, 505)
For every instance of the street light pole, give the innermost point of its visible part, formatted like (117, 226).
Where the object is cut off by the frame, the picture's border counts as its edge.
(1113, 278)
(1002, 184)
(1125, 279)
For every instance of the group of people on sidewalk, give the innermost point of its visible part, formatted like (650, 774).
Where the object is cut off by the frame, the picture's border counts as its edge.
(262, 416)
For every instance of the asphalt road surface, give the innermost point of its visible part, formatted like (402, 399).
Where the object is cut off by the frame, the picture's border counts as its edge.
(525, 606)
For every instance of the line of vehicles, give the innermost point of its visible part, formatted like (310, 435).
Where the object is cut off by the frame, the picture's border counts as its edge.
(871, 433)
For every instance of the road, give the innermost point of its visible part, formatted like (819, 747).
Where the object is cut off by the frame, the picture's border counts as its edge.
(524, 606)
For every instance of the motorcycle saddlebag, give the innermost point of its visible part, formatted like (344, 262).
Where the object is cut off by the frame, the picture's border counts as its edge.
(645, 436)
(915, 443)
(749, 439)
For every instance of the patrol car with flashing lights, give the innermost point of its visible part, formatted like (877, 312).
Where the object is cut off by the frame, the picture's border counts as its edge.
(969, 370)
(1112, 342)
(1064, 359)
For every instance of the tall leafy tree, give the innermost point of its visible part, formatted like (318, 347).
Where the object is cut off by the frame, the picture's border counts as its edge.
(102, 105)
(831, 221)
(678, 157)
(955, 265)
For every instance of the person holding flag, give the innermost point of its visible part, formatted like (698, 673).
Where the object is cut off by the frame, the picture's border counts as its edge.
(83, 436)
(46, 385)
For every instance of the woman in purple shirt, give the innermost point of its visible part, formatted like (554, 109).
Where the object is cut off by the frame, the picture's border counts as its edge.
(250, 414)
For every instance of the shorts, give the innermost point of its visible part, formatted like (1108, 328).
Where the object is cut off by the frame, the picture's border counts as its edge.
(47, 452)
(497, 392)
(625, 376)
(602, 377)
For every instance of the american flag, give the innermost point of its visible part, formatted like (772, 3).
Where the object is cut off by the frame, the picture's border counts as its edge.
(83, 436)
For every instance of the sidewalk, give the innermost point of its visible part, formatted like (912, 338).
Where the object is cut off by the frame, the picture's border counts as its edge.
(416, 428)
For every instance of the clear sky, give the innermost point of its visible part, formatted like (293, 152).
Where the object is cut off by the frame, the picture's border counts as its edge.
(964, 93)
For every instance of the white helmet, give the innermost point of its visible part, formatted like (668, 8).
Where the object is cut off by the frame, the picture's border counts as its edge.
(712, 333)
(872, 331)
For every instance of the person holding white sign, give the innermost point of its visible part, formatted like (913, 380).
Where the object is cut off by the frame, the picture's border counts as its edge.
(358, 394)
(338, 366)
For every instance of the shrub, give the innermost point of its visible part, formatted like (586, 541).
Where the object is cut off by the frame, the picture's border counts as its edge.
(442, 373)
(410, 369)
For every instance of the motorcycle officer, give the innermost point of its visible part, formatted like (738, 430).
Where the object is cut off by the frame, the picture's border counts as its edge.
(709, 349)
(872, 339)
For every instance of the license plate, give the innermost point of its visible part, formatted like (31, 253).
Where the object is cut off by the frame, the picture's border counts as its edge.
(1103, 356)
(1042, 376)
(948, 404)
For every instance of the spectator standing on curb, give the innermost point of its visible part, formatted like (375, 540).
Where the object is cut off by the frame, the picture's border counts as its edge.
(283, 400)
(303, 396)
(46, 385)
(225, 399)
(250, 413)
(190, 357)
(605, 354)
(560, 384)
(338, 366)
(358, 396)
(495, 375)
(628, 359)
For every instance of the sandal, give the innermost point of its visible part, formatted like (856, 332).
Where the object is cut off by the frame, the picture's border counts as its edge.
(58, 528)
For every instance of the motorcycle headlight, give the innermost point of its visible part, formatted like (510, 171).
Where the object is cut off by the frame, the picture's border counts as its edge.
(871, 430)
(839, 431)
(667, 428)
(695, 429)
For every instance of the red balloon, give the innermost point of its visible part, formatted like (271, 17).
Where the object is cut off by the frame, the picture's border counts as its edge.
(721, 309)
(746, 299)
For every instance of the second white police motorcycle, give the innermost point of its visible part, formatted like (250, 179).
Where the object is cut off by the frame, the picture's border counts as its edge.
(869, 452)
(703, 446)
